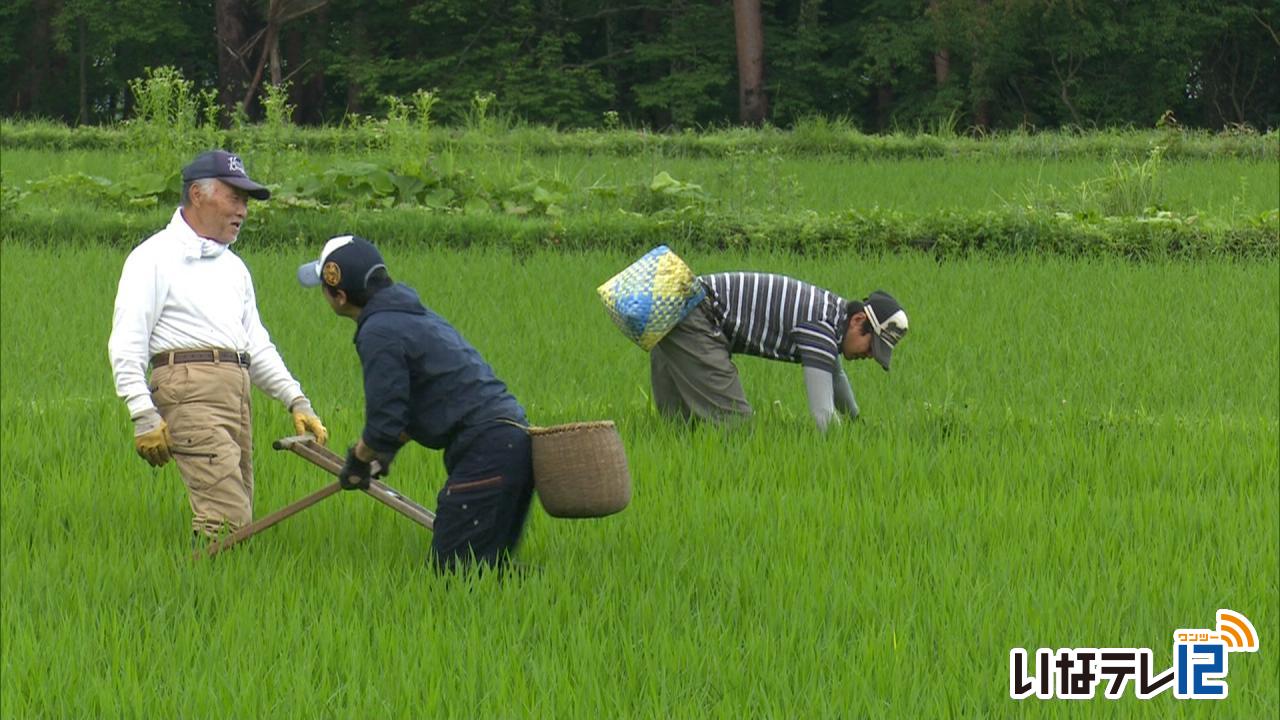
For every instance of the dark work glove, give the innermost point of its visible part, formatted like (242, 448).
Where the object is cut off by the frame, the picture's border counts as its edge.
(382, 468)
(355, 472)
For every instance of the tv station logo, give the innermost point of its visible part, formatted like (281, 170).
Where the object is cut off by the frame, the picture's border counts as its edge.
(1199, 669)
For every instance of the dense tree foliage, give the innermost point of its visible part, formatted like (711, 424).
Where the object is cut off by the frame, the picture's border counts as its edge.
(880, 64)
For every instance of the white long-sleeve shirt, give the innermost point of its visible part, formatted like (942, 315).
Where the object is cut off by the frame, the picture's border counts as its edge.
(173, 297)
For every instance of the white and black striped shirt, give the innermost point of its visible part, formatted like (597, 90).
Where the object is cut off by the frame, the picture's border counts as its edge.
(778, 317)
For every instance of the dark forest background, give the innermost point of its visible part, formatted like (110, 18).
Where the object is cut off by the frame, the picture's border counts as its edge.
(666, 64)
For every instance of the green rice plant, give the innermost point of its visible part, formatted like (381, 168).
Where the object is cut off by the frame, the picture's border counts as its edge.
(1085, 472)
(10, 195)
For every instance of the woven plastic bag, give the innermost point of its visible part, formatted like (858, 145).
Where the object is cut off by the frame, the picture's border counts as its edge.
(651, 295)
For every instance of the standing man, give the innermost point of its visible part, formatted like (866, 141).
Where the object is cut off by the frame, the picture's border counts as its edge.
(424, 382)
(186, 305)
(774, 317)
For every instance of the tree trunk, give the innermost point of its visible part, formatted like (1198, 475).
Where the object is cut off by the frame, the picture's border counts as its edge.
(268, 46)
(357, 49)
(279, 13)
(38, 62)
(83, 26)
(941, 66)
(753, 106)
(941, 56)
(651, 28)
(884, 106)
(980, 69)
(1065, 78)
(610, 69)
(276, 76)
(306, 92)
(233, 72)
(982, 114)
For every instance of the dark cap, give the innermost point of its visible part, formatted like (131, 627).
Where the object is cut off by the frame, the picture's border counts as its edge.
(346, 263)
(224, 166)
(888, 325)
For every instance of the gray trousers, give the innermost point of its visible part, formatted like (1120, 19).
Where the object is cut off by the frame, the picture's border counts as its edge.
(693, 374)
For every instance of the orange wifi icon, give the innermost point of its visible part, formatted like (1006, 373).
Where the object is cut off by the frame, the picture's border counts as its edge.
(1237, 632)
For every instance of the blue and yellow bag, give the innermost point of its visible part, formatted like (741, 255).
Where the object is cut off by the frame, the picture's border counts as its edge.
(651, 295)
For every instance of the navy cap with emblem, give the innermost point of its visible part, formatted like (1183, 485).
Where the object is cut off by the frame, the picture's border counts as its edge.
(222, 165)
(346, 263)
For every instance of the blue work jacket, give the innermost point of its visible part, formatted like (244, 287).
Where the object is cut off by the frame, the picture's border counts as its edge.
(422, 379)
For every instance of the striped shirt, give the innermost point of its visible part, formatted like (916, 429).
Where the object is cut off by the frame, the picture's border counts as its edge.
(778, 317)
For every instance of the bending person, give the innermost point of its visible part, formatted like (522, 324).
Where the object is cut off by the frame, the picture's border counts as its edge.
(424, 382)
(778, 318)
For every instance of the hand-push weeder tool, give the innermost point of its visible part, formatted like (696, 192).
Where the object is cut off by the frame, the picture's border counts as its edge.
(331, 462)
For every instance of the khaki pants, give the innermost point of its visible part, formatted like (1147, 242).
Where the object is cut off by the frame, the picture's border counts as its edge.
(693, 374)
(207, 408)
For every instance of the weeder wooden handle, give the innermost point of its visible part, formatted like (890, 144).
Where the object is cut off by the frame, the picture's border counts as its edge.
(306, 447)
(390, 497)
(261, 524)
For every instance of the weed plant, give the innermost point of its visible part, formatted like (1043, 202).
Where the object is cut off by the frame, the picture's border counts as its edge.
(465, 195)
(172, 119)
(761, 183)
(367, 133)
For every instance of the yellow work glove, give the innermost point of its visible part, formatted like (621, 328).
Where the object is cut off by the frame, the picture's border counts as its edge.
(151, 438)
(306, 421)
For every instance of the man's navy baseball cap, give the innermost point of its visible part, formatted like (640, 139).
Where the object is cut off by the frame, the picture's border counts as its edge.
(888, 325)
(226, 167)
(346, 263)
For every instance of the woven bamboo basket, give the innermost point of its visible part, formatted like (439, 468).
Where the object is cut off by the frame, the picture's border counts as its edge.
(580, 469)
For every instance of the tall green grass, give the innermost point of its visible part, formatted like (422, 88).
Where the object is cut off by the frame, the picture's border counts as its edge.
(485, 128)
(1067, 454)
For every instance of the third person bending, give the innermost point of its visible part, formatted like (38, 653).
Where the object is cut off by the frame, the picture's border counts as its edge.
(778, 318)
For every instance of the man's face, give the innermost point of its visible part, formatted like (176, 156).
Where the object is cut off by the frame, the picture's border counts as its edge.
(857, 342)
(218, 213)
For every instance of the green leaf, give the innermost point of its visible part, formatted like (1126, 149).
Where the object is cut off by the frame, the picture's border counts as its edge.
(662, 181)
(438, 198)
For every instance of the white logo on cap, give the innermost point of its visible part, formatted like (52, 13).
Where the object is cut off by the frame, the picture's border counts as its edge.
(892, 329)
(234, 164)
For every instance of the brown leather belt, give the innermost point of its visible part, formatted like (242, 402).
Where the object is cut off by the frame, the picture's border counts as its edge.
(178, 357)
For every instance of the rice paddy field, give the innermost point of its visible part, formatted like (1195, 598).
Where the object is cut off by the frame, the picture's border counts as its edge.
(1069, 453)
